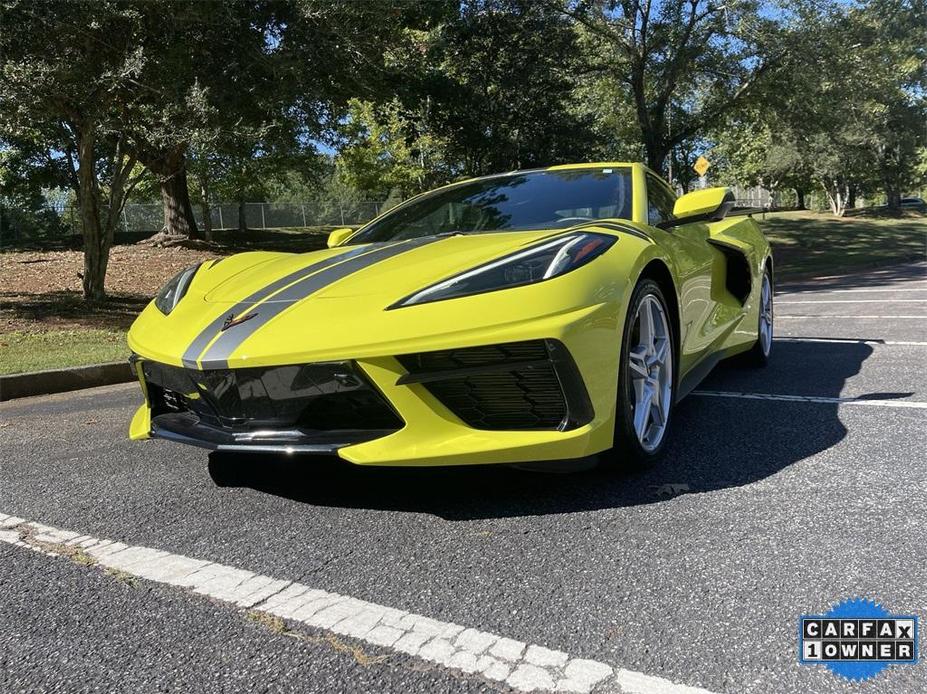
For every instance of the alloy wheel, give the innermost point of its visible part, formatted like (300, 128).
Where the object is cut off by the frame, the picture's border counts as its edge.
(650, 365)
(766, 315)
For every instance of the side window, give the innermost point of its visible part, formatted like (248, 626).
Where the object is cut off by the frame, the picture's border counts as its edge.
(660, 201)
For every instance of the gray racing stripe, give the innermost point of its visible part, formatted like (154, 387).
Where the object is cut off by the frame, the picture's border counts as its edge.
(621, 227)
(216, 357)
(209, 332)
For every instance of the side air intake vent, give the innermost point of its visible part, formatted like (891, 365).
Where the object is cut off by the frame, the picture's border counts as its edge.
(737, 277)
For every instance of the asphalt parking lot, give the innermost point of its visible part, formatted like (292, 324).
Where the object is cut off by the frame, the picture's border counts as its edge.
(783, 491)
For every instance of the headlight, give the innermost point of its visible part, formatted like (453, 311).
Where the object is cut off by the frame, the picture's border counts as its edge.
(537, 263)
(172, 292)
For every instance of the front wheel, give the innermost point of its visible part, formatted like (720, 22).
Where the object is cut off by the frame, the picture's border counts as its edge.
(646, 380)
(762, 348)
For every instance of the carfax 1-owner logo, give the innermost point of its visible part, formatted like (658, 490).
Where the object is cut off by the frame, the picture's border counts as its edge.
(857, 639)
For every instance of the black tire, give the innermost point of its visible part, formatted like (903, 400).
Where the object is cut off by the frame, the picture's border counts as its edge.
(628, 453)
(759, 354)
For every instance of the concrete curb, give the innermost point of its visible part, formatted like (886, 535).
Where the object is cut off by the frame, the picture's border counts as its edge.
(61, 380)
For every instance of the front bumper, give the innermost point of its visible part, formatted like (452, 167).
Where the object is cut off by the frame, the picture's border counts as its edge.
(308, 408)
(491, 403)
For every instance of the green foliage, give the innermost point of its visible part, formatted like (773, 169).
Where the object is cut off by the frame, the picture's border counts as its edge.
(676, 66)
(845, 112)
(496, 87)
(339, 101)
(383, 152)
(760, 151)
(26, 172)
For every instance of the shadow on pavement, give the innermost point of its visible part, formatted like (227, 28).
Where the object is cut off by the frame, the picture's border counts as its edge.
(717, 443)
(887, 278)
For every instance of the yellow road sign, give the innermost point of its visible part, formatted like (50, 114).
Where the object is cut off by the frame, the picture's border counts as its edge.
(701, 166)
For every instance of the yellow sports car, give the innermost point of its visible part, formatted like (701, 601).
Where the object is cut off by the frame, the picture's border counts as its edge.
(532, 315)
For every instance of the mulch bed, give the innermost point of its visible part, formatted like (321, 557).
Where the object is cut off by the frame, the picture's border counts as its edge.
(41, 290)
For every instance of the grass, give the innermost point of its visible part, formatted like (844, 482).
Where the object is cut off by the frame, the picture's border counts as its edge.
(815, 243)
(22, 352)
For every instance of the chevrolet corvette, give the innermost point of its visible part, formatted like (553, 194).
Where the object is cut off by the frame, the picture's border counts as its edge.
(533, 315)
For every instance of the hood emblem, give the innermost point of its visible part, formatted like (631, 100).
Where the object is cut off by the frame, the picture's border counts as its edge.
(231, 320)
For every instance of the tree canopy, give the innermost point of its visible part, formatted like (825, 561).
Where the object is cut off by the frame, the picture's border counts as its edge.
(221, 99)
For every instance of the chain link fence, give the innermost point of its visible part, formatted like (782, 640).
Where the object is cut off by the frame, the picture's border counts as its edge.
(149, 217)
(754, 196)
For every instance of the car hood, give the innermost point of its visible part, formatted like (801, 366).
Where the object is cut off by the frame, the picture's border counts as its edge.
(261, 308)
(392, 270)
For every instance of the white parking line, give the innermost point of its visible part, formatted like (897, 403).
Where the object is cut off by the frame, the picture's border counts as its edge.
(522, 666)
(856, 301)
(867, 290)
(869, 402)
(843, 315)
(841, 340)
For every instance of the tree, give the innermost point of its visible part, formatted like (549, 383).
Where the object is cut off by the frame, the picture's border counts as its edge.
(893, 43)
(844, 111)
(27, 170)
(208, 74)
(384, 151)
(496, 85)
(68, 79)
(693, 59)
(250, 169)
(302, 63)
(757, 148)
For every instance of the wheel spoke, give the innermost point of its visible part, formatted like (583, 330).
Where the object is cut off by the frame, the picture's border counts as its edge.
(642, 410)
(647, 326)
(637, 362)
(666, 403)
(657, 414)
(659, 355)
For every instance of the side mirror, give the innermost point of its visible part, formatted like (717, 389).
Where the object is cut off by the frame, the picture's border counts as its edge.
(706, 205)
(336, 237)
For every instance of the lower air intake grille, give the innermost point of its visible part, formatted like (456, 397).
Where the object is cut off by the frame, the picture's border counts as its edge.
(510, 386)
(308, 397)
(519, 399)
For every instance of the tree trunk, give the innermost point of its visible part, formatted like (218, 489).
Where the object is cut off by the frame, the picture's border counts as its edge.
(892, 197)
(837, 194)
(657, 152)
(171, 169)
(800, 199)
(851, 197)
(178, 212)
(205, 206)
(96, 241)
(242, 222)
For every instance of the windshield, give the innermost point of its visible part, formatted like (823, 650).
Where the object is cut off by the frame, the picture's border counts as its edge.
(530, 200)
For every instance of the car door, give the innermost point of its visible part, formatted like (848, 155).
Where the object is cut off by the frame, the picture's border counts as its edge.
(695, 262)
